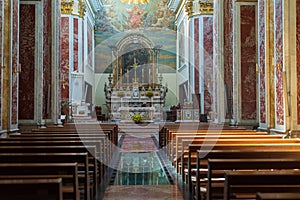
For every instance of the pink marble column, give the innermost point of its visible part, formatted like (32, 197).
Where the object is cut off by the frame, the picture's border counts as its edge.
(1, 42)
(15, 63)
(278, 51)
(228, 53)
(262, 58)
(75, 44)
(196, 53)
(27, 58)
(64, 63)
(298, 61)
(47, 59)
(248, 62)
(208, 62)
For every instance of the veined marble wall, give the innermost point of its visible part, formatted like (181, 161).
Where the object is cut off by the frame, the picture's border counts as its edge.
(248, 61)
(278, 52)
(197, 45)
(298, 60)
(75, 44)
(228, 54)
(261, 64)
(27, 60)
(64, 63)
(1, 56)
(47, 59)
(208, 62)
(15, 64)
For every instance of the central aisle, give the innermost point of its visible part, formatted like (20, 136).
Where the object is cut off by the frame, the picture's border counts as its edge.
(141, 173)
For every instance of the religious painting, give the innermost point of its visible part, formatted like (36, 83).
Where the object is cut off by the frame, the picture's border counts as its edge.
(116, 20)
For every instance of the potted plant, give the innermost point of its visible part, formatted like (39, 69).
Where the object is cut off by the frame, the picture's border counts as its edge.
(120, 94)
(149, 93)
(64, 111)
(137, 118)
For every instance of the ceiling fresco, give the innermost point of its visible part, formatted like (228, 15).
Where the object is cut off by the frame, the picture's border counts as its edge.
(116, 16)
(116, 20)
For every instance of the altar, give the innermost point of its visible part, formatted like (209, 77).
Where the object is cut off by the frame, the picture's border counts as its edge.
(135, 86)
(147, 113)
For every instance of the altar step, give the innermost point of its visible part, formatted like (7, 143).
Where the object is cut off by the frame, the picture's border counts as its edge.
(143, 128)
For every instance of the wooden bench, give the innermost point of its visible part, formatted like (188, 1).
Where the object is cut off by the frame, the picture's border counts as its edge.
(91, 150)
(239, 182)
(278, 196)
(195, 150)
(251, 163)
(203, 157)
(183, 142)
(80, 158)
(67, 171)
(31, 189)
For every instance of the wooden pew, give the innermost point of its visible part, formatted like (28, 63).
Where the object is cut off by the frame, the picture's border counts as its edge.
(171, 136)
(237, 182)
(250, 163)
(182, 142)
(67, 171)
(190, 155)
(31, 189)
(80, 158)
(203, 157)
(91, 150)
(278, 196)
(204, 148)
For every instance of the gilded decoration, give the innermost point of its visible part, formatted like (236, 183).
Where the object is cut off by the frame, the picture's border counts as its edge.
(189, 8)
(67, 6)
(206, 7)
(82, 8)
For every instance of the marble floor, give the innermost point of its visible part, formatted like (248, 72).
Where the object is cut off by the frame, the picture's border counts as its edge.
(137, 176)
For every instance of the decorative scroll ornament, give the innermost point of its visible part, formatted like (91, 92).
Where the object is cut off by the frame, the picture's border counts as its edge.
(189, 8)
(67, 6)
(135, 1)
(206, 7)
(82, 8)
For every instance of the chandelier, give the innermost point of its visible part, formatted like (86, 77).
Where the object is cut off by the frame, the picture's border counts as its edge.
(135, 1)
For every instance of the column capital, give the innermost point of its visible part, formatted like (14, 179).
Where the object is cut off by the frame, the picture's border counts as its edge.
(206, 7)
(67, 6)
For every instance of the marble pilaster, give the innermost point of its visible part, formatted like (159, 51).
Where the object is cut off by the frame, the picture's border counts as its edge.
(261, 71)
(298, 59)
(207, 74)
(1, 54)
(278, 51)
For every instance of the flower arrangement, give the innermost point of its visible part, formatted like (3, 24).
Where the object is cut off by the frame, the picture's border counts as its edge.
(137, 118)
(149, 94)
(121, 94)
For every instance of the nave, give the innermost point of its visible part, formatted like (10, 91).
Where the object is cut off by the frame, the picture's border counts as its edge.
(177, 161)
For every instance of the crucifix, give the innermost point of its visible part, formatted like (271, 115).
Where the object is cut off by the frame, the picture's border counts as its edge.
(135, 66)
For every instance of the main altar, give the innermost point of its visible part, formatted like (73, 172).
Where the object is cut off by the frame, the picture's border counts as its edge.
(135, 86)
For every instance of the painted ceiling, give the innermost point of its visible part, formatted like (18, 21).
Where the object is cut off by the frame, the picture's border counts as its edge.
(116, 16)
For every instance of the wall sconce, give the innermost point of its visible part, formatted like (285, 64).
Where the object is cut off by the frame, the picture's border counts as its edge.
(18, 70)
(258, 70)
(63, 81)
(278, 66)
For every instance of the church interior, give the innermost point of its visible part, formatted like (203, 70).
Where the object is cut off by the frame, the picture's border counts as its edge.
(149, 99)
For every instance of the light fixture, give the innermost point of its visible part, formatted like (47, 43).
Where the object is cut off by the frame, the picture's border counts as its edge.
(135, 1)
